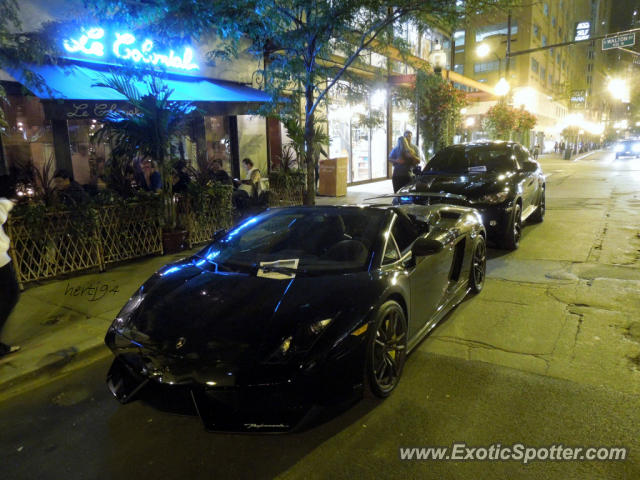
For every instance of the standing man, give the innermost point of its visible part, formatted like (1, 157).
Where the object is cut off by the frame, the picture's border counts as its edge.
(404, 157)
(8, 283)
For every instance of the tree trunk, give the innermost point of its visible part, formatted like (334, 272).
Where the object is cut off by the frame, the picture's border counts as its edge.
(309, 132)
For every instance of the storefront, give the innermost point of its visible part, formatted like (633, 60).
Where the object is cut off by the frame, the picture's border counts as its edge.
(53, 127)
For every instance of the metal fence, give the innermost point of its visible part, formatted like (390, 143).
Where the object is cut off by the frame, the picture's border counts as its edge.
(203, 216)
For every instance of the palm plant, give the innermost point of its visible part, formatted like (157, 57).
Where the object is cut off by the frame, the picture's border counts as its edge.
(146, 129)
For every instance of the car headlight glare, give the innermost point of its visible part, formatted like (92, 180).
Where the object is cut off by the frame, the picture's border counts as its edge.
(493, 198)
(636, 147)
(285, 346)
(320, 325)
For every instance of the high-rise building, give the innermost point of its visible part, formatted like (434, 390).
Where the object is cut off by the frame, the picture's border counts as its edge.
(552, 82)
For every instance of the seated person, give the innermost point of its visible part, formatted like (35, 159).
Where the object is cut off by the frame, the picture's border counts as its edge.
(250, 188)
(150, 179)
(70, 192)
(181, 178)
(218, 173)
(251, 184)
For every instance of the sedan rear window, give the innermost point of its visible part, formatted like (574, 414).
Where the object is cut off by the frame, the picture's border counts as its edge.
(471, 159)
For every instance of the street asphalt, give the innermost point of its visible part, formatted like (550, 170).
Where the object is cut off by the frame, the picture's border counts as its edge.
(548, 353)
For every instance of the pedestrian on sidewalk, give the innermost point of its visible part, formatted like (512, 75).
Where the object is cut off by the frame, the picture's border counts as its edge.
(536, 152)
(404, 157)
(8, 283)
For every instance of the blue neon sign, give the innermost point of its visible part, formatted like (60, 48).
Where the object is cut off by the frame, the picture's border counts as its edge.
(126, 47)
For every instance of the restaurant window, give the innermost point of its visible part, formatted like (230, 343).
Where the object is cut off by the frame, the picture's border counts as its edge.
(534, 65)
(545, 9)
(459, 68)
(28, 139)
(536, 31)
(88, 157)
(495, 29)
(252, 141)
(218, 142)
(358, 131)
(486, 66)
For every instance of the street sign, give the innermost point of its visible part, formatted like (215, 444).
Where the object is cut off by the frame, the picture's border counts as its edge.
(626, 40)
(583, 31)
(578, 98)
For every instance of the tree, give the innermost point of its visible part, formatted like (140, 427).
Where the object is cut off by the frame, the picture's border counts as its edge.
(503, 120)
(525, 121)
(19, 49)
(297, 39)
(147, 129)
(439, 104)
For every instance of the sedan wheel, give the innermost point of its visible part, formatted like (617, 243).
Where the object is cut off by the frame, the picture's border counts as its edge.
(387, 349)
(478, 266)
(513, 233)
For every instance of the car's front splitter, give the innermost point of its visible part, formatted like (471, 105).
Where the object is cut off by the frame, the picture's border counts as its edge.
(267, 408)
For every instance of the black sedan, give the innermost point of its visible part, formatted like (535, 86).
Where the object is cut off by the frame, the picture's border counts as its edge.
(500, 179)
(294, 309)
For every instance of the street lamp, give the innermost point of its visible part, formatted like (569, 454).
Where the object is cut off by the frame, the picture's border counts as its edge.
(482, 50)
(502, 87)
(437, 58)
(619, 89)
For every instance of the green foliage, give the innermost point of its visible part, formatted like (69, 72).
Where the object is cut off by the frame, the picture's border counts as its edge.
(146, 129)
(439, 105)
(503, 121)
(286, 180)
(296, 132)
(199, 194)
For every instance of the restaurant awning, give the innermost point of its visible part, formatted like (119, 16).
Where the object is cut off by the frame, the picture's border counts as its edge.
(76, 82)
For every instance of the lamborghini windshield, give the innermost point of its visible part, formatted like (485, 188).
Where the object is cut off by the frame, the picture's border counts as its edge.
(299, 240)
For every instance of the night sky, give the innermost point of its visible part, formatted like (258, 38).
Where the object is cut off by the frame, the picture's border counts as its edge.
(622, 14)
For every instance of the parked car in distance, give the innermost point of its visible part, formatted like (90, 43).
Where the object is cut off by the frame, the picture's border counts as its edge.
(499, 179)
(292, 309)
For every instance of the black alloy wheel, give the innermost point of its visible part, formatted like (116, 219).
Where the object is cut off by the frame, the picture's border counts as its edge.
(538, 215)
(478, 266)
(387, 350)
(514, 232)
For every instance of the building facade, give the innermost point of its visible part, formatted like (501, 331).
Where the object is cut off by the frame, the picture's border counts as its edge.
(51, 126)
(557, 84)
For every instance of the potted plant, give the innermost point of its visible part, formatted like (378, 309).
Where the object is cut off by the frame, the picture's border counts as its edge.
(146, 129)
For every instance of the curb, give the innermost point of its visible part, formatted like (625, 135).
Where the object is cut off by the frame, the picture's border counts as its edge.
(60, 363)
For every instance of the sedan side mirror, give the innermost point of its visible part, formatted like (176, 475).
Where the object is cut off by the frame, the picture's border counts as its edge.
(426, 246)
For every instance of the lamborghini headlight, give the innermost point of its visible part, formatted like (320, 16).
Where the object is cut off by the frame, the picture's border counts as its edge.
(130, 307)
(493, 198)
